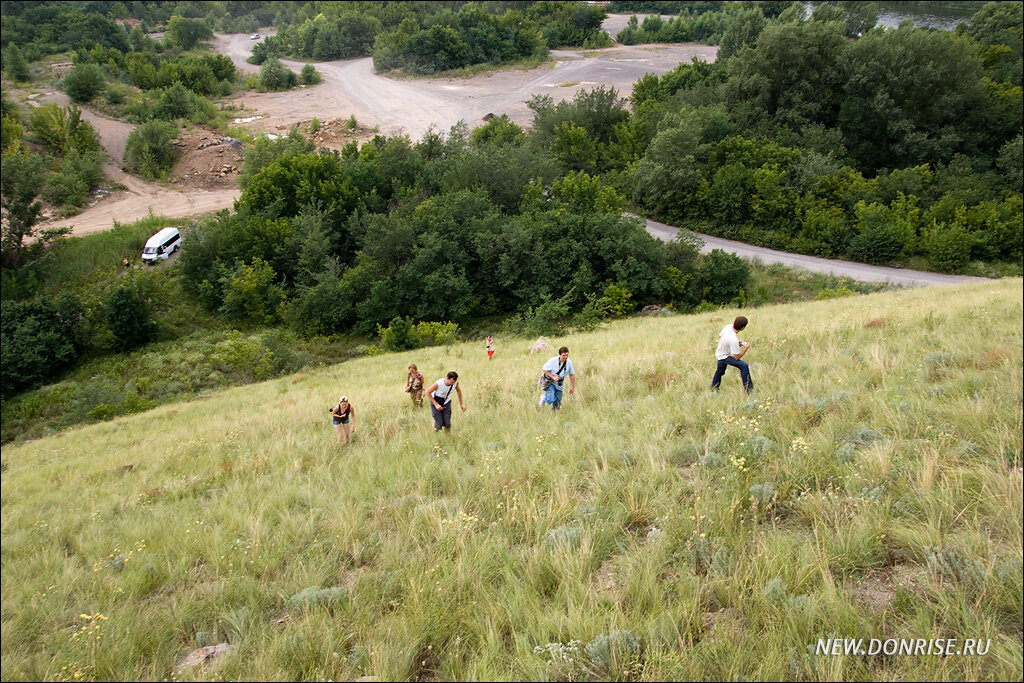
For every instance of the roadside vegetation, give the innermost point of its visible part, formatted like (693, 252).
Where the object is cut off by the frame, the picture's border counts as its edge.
(424, 38)
(667, 533)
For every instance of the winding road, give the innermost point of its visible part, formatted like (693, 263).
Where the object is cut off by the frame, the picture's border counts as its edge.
(414, 107)
(857, 271)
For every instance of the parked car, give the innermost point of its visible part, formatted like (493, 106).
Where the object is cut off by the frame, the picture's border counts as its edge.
(254, 36)
(161, 245)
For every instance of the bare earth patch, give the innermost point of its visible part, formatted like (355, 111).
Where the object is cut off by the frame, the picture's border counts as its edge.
(606, 582)
(209, 161)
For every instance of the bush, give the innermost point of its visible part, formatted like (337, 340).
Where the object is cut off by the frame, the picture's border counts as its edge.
(15, 65)
(77, 177)
(880, 244)
(617, 299)
(309, 75)
(948, 248)
(84, 82)
(398, 335)
(276, 76)
(150, 151)
(544, 320)
(39, 339)
(721, 276)
(128, 320)
(251, 294)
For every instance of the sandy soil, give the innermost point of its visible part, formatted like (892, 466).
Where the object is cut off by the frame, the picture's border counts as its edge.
(140, 198)
(412, 107)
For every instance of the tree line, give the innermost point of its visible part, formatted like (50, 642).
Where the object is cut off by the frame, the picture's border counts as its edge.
(900, 147)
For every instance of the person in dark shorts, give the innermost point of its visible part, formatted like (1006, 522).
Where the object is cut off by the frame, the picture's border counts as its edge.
(440, 395)
(343, 417)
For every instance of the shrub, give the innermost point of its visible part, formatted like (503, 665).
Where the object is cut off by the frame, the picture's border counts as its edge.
(150, 151)
(128, 320)
(948, 248)
(309, 75)
(877, 244)
(39, 339)
(74, 180)
(614, 654)
(276, 76)
(15, 65)
(84, 82)
(63, 129)
(721, 276)
(398, 335)
(251, 294)
(617, 299)
(545, 320)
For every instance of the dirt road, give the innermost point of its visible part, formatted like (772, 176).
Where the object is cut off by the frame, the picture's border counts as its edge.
(411, 107)
(858, 271)
(140, 198)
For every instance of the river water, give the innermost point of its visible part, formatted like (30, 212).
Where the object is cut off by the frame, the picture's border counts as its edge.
(891, 14)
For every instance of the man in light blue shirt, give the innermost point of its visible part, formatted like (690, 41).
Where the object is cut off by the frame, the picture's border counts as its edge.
(556, 370)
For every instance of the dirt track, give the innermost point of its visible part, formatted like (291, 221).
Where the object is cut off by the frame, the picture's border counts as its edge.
(394, 107)
(140, 198)
(411, 107)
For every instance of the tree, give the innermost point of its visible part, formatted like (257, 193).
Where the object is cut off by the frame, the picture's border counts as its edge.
(39, 338)
(22, 178)
(721, 276)
(63, 129)
(743, 29)
(128, 320)
(186, 33)
(17, 67)
(309, 75)
(84, 82)
(276, 76)
(150, 151)
(910, 96)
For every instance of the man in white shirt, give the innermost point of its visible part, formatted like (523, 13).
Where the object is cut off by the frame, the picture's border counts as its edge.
(440, 395)
(556, 370)
(730, 351)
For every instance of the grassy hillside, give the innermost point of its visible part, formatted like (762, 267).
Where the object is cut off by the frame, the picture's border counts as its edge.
(870, 488)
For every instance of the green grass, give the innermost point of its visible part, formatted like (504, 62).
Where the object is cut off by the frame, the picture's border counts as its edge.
(653, 530)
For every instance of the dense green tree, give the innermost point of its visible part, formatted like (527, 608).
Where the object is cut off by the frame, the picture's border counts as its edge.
(63, 129)
(22, 179)
(186, 33)
(276, 76)
(309, 75)
(792, 75)
(721, 276)
(15, 64)
(40, 338)
(150, 149)
(84, 82)
(129, 320)
(744, 28)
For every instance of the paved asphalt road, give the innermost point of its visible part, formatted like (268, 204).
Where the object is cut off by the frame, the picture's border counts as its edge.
(858, 271)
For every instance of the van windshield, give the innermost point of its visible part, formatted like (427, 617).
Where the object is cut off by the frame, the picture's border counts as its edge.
(149, 250)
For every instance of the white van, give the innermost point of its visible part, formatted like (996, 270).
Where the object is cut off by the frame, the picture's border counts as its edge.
(161, 245)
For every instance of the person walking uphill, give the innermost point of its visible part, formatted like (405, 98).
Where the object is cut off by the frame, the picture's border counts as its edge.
(342, 415)
(554, 373)
(414, 384)
(730, 352)
(440, 395)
